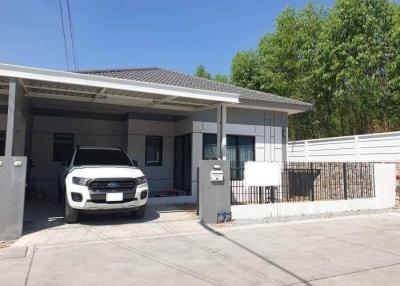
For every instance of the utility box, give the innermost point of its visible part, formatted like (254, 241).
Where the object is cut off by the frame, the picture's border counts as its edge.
(214, 189)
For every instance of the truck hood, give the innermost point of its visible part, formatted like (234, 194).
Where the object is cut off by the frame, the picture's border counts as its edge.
(97, 172)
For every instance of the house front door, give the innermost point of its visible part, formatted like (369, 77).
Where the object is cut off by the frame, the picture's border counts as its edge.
(183, 163)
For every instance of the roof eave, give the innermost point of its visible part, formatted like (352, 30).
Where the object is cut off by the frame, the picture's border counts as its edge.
(24, 72)
(290, 108)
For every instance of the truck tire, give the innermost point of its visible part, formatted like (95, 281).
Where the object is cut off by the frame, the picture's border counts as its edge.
(70, 214)
(140, 212)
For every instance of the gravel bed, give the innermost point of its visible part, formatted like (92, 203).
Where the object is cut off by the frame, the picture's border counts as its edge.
(306, 217)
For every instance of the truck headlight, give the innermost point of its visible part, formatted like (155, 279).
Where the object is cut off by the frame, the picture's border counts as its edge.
(141, 180)
(80, 181)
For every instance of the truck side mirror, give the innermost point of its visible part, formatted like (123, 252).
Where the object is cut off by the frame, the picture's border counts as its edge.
(135, 163)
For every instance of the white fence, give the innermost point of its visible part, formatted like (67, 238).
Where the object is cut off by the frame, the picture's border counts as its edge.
(379, 147)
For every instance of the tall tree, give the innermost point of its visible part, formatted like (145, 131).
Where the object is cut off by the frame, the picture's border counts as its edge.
(202, 72)
(221, 78)
(356, 50)
(346, 61)
(244, 69)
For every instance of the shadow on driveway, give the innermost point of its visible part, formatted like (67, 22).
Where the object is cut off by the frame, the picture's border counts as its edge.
(40, 215)
(280, 267)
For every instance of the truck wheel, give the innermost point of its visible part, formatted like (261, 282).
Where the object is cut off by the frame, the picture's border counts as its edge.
(140, 212)
(70, 214)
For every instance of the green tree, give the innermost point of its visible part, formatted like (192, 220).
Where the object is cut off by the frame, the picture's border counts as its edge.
(221, 78)
(202, 72)
(346, 61)
(356, 54)
(244, 69)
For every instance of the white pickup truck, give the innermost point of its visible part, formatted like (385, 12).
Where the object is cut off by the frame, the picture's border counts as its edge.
(102, 179)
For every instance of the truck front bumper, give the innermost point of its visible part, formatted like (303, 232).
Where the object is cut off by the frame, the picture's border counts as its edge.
(97, 200)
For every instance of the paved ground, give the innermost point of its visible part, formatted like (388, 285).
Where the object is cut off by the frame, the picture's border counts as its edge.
(174, 249)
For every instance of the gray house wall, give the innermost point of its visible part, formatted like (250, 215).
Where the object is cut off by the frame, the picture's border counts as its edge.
(160, 177)
(87, 132)
(266, 126)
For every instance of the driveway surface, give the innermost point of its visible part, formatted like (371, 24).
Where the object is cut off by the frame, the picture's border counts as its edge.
(174, 249)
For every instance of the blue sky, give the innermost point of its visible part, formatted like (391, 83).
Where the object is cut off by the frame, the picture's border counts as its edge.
(172, 34)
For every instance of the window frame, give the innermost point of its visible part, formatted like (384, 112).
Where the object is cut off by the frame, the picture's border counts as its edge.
(160, 146)
(204, 148)
(237, 150)
(70, 146)
(236, 138)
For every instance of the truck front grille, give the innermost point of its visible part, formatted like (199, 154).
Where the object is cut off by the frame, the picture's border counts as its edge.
(113, 185)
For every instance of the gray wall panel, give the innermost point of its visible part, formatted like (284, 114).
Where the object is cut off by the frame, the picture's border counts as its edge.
(12, 197)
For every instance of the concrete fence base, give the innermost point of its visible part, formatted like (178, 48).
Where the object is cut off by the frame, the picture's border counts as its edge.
(385, 197)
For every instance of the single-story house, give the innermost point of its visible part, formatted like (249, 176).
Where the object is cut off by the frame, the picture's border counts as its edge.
(167, 121)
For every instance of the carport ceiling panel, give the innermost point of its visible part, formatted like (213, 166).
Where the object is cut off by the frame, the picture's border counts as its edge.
(178, 104)
(102, 95)
(193, 101)
(59, 89)
(51, 86)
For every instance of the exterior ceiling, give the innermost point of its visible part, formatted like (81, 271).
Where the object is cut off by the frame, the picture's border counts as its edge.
(50, 84)
(51, 90)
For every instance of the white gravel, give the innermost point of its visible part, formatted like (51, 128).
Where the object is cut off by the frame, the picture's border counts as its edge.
(306, 217)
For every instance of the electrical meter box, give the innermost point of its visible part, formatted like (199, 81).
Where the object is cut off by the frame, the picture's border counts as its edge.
(214, 189)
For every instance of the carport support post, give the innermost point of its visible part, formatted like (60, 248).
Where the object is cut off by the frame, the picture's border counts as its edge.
(12, 171)
(11, 114)
(221, 132)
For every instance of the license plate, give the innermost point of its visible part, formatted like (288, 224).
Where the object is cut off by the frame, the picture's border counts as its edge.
(114, 197)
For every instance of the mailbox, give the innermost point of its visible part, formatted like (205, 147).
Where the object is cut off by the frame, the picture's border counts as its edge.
(217, 176)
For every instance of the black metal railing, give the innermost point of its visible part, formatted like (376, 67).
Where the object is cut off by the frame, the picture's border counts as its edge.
(307, 181)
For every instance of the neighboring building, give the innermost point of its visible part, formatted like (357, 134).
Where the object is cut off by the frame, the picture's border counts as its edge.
(166, 120)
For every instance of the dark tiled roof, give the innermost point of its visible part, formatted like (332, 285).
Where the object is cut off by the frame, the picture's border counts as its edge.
(173, 78)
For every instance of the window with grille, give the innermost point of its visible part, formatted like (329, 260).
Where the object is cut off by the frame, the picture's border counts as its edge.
(153, 155)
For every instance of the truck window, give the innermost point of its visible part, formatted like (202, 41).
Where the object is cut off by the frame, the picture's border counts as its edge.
(86, 157)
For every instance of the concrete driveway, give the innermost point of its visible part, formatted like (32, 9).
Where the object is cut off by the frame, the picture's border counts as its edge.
(357, 250)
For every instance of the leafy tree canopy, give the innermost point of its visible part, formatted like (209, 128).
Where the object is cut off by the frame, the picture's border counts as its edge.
(221, 78)
(345, 60)
(202, 72)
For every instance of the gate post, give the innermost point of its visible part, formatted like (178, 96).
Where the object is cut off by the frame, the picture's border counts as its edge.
(214, 190)
(345, 180)
(312, 182)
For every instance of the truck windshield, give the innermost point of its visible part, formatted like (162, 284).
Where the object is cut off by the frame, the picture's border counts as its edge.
(101, 157)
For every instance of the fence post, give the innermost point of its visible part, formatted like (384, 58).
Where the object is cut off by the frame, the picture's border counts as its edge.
(312, 182)
(345, 180)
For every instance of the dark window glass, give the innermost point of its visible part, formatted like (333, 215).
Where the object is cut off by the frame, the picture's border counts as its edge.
(2, 142)
(239, 149)
(62, 145)
(153, 151)
(209, 146)
(84, 157)
(68, 157)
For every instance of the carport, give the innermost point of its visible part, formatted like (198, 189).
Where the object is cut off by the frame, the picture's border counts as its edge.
(27, 92)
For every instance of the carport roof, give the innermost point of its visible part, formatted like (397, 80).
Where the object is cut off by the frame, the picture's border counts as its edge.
(141, 87)
(173, 78)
